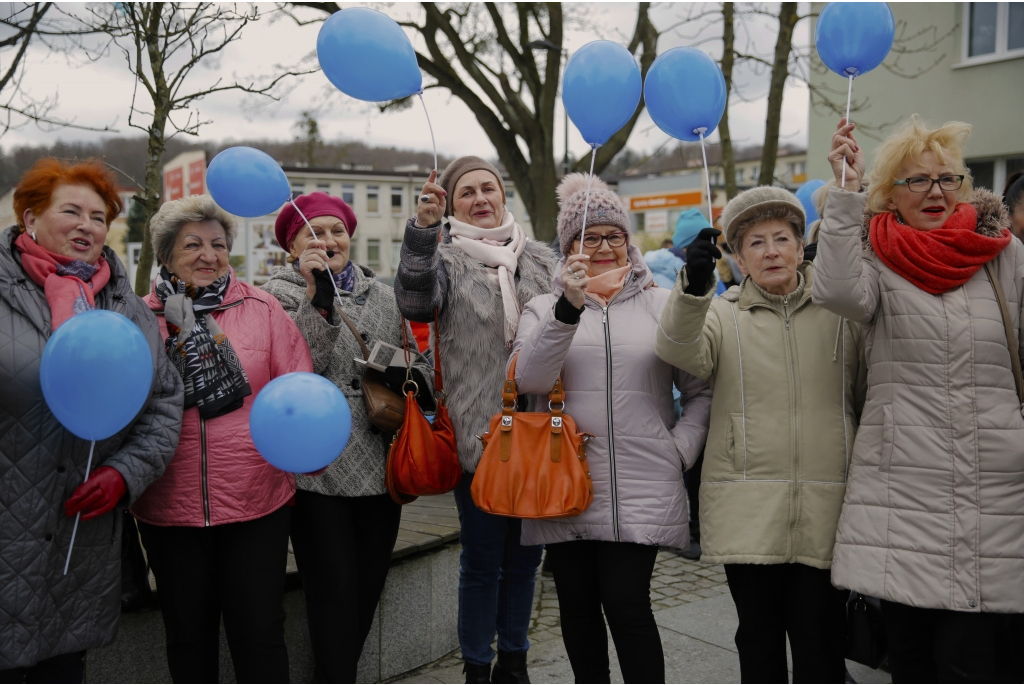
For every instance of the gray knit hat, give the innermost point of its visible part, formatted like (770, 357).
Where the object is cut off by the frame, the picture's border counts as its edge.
(172, 215)
(459, 168)
(750, 203)
(605, 208)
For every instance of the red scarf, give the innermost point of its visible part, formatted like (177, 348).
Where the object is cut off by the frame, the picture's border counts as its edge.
(938, 260)
(66, 292)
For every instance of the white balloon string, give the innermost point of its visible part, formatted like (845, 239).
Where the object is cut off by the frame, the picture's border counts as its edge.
(313, 233)
(707, 177)
(430, 126)
(849, 96)
(74, 530)
(586, 205)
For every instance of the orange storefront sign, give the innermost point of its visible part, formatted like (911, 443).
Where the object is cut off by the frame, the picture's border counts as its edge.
(644, 202)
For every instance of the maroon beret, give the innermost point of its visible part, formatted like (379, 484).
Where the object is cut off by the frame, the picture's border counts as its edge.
(289, 222)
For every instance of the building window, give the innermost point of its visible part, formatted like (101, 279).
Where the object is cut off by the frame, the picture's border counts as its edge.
(372, 199)
(396, 254)
(993, 30)
(983, 172)
(510, 201)
(348, 193)
(373, 253)
(323, 187)
(396, 199)
(739, 175)
(298, 188)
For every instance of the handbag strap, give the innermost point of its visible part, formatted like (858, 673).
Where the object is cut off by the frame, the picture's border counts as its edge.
(356, 333)
(1011, 336)
(556, 404)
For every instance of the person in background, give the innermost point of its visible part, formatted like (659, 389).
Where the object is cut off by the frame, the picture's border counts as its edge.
(345, 524)
(932, 523)
(665, 263)
(215, 525)
(596, 331)
(1013, 198)
(465, 258)
(788, 379)
(53, 264)
(811, 241)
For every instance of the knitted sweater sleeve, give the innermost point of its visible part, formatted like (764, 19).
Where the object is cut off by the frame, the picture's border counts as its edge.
(422, 280)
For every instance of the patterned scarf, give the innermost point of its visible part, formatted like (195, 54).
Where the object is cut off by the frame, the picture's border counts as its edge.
(346, 279)
(70, 285)
(215, 381)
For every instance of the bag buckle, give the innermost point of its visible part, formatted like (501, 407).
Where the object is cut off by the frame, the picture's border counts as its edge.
(506, 421)
(556, 421)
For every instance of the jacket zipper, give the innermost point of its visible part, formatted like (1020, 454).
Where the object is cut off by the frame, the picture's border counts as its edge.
(206, 489)
(611, 421)
(796, 419)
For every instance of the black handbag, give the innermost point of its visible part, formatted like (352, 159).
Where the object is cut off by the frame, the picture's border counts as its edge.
(866, 642)
(136, 593)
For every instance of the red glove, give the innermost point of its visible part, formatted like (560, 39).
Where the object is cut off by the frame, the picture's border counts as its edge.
(98, 495)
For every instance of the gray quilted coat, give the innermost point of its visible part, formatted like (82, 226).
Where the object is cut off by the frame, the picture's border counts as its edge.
(359, 471)
(473, 353)
(42, 612)
(934, 508)
(618, 390)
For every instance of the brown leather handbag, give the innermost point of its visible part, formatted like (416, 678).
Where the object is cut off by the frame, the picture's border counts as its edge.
(423, 459)
(534, 464)
(384, 407)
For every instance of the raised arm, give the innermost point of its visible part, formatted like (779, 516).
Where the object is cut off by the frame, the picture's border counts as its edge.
(845, 278)
(542, 342)
(422, 279)
(689, 336)
(691, 430)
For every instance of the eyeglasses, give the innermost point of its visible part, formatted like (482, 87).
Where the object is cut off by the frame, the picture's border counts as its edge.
(592, 240)
(923, 184)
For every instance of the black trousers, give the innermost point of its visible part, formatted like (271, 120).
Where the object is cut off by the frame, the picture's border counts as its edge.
(343, 548)
(776, 600)
(236, 570)
(945, 646)
(591, 575)
(65, 668)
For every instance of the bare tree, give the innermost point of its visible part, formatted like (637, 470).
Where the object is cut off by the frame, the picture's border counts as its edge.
(724, 135)
(45, 24)
(485, 55)
(163, 42)
(788, 18)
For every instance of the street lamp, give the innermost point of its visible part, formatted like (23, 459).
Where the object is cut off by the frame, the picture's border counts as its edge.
(551, 47)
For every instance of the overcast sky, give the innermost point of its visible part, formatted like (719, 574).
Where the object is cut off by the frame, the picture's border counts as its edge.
(100, 92)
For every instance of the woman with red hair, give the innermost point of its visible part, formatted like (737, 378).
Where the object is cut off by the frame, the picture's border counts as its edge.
(53, 265)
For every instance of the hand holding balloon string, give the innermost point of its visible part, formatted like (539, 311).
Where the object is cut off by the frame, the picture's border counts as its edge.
(700, 262)
(431, 206)
(846, 158)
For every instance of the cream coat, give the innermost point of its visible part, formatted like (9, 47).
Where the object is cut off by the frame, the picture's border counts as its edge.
(788, 382)
(934, 513)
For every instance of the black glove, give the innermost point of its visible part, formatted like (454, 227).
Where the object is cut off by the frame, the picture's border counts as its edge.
(324, 295)
(394, 376)
(700, 262)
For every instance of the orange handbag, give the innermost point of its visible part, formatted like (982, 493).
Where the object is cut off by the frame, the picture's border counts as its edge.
(534, 464)
(423, 459)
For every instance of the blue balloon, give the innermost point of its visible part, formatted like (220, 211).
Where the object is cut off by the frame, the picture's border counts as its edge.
(366, 55)
(300, 422)
(852, 38)
(685, 91)
(805, 194)
(247, 182)
(600, 89)
(96, 373)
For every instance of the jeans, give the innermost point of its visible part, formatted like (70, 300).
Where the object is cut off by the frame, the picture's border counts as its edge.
(65, 668)
(496, 580)
(591, 575)
(234, 569)
(776, 600)
(343, 549)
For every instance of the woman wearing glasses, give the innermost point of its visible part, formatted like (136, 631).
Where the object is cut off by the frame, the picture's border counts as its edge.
(933, 522)
(596, 330)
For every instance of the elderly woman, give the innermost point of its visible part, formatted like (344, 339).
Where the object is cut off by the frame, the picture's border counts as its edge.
(596, 331)
(215, 526)
(345, 523)
(53, 264)
(789, 381)
(932, 523)
(477, 272)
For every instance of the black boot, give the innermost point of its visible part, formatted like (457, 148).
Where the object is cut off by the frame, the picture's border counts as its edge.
(476, 674)
(511, 668)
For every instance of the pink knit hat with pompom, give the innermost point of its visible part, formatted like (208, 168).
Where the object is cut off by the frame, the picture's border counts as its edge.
(605, 208)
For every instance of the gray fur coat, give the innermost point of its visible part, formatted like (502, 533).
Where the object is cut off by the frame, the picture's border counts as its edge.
(359, 471)
(471, 319)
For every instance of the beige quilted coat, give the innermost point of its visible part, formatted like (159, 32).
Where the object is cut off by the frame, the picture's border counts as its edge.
(934, 510)
(788, 381)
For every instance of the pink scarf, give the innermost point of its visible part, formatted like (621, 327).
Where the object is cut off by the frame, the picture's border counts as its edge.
(69, 286)
(604, 287)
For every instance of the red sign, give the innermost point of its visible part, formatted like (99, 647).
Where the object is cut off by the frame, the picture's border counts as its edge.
(174, 184)
(196, 177)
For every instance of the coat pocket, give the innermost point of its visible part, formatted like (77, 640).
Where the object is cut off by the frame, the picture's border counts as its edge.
(736, 442)
(888, 436)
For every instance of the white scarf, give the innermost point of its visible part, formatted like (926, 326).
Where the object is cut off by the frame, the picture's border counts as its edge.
(498, 249)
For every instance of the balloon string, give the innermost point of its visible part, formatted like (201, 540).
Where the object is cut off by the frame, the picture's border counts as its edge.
(849, 96)
(430, 126)
(74, 531)
(586, 205)
(313, 233)
(707, 176)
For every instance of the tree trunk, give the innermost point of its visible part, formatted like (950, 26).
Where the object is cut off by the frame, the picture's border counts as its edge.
(728, 57)
(151, 198)
(780, 71)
